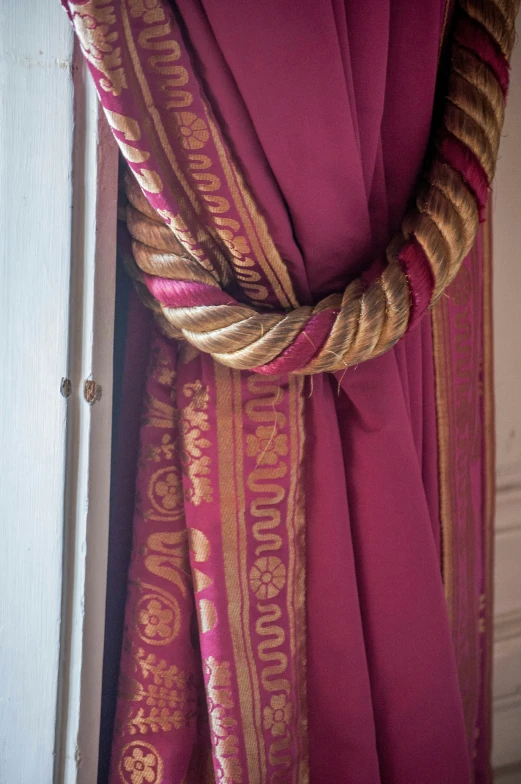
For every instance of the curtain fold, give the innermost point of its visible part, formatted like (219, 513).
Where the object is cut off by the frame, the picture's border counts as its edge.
(286, 608)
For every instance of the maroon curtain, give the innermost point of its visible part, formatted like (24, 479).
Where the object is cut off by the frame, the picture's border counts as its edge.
(326, 106)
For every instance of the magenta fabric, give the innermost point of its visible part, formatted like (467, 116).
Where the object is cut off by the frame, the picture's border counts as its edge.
(328, 108)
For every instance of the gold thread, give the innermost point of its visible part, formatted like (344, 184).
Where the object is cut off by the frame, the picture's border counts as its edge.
(441, 378)
(228, 417)
(366, 323)
(279, 278)
(297, 551)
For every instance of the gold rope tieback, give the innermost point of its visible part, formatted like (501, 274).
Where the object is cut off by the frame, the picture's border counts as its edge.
(436, 234)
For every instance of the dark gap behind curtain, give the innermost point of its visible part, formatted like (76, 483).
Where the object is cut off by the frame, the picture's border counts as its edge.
(131, 329)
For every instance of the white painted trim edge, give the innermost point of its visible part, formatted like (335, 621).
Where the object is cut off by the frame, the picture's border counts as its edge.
(87, 500)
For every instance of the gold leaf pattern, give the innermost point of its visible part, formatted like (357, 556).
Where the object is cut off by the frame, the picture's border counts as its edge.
(92, 22)
(150, 10)
(192, 424)
(169, 700)
(223, 725)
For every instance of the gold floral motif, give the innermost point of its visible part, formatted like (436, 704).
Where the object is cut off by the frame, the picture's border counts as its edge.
(161, 366)
(157, 413)
(92, 21)
(194, 412)
(192, 129)
(165, 494)
(226, 752)
(140, 763)
(169, 490)
(267, 445)
(267, 577)
(165, 450)
(192, 424)
(278, 714)
(218, 674)
(201, 489)
(140, 766)
(222, 723)
(157, 618)
(150, 10)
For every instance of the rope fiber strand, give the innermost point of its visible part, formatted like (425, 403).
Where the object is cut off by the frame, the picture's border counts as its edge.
(437, 233)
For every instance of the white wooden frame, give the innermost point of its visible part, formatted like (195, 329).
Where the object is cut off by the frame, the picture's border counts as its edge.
(87, 497)
(58, 181)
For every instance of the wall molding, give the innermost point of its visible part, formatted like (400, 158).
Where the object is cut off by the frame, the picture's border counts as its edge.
(508, 505)
(507, 626)
(509, 774)
(507, 691)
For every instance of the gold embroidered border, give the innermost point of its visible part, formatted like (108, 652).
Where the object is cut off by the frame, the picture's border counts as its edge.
(297, 570)
(257, 231)
(263, 668)
(212, 234)
(442, 382)
(457, 342)
(185, 195)
(231, 484)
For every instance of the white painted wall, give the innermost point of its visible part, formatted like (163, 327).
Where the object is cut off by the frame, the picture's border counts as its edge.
(507, 315)
(58, 177)
(36, 111)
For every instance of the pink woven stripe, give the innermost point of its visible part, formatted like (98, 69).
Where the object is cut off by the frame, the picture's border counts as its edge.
(186, 294)
(472, 36)
(421, 283)
(307, 344)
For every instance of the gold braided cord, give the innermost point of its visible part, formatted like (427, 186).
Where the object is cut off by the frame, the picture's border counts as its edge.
(498, 19)
(366, 319)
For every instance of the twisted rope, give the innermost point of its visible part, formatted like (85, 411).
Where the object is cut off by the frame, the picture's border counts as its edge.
(368, 318)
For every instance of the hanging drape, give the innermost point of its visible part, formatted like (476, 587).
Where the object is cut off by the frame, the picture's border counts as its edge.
(309, 587)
